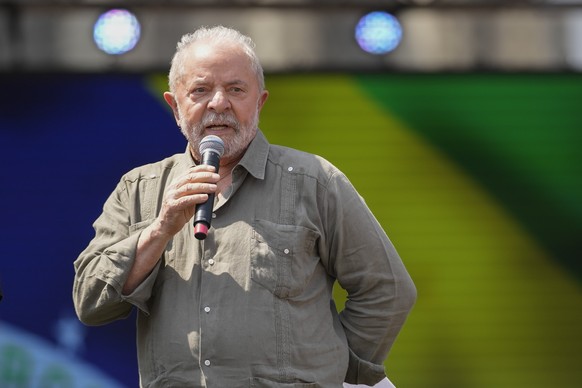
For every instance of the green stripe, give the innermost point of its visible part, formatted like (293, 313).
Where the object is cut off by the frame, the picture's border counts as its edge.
(518, 135)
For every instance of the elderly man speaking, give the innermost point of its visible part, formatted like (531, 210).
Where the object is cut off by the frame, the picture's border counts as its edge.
(249, 304)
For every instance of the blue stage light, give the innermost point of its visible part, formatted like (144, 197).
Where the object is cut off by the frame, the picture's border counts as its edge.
(378, 32)
(116, 32)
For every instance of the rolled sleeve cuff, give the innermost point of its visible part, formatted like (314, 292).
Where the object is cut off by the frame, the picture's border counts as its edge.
(122, 257)
(363, 372)
(142, 293)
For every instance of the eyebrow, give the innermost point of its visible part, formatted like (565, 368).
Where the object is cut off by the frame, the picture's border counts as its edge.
(237, 82)
(201, 81)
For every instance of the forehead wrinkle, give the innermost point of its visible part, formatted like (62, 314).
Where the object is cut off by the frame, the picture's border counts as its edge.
(208, 65)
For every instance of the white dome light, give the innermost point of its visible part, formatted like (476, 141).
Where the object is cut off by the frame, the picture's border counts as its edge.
(116, 32)
(378, 32)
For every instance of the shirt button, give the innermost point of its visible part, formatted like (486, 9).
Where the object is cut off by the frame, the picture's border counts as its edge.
(211, 261)
(207, 309)
(213, 215)
(207, 362)
(286, 251)
(290, 169)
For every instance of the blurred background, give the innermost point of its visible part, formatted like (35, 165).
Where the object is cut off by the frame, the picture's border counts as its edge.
(458, 121)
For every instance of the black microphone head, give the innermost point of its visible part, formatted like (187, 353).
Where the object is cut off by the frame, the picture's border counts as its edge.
(211, 143)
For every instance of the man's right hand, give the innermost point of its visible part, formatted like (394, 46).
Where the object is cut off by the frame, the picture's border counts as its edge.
(182, 196)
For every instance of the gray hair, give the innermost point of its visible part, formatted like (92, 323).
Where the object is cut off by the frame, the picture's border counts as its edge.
(218, 34)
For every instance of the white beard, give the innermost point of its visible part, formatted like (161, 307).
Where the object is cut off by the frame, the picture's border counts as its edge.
(234, 144)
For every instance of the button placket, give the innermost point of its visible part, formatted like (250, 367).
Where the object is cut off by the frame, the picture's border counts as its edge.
(207, 303)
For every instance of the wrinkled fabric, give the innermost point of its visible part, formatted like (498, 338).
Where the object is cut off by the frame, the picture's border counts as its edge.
(251, 305)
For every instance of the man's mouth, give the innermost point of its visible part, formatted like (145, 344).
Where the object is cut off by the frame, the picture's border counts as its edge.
(217, 127)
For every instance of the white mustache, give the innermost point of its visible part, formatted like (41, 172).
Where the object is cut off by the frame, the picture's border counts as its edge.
(212, 118)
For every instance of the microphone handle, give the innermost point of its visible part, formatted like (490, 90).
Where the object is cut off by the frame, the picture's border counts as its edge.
(203, 215)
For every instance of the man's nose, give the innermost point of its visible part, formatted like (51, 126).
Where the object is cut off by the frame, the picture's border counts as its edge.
(219, 102)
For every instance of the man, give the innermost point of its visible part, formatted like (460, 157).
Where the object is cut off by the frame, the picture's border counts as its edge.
(250, 305)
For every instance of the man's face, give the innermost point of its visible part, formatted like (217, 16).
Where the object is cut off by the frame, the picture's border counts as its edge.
(218, 94)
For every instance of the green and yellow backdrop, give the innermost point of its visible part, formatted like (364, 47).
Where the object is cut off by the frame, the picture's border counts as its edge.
(476, 178)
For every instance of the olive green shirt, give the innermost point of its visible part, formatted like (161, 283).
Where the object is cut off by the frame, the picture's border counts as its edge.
(251, 305)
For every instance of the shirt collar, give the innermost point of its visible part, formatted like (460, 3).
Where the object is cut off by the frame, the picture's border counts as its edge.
(254, 160)
(256, 155)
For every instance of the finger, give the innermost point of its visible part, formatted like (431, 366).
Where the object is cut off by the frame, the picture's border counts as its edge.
(195, 188)
(185, 190)
(203, 167)
(202, 177)
(201, 174)
(184, 182)
(186, 202)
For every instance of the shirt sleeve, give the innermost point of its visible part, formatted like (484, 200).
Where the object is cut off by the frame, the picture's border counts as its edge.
(380, 291)
(102, 268)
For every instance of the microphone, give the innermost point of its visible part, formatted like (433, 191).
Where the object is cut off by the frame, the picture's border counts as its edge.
(211, 149)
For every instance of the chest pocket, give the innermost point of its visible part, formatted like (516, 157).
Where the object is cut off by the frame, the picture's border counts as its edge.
(283, 257)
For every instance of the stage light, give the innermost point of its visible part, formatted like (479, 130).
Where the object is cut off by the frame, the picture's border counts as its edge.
(116, 31)
(378, 32)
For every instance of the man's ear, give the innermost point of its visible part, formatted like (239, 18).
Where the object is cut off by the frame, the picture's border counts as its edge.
(262, 99)
(171, 100)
